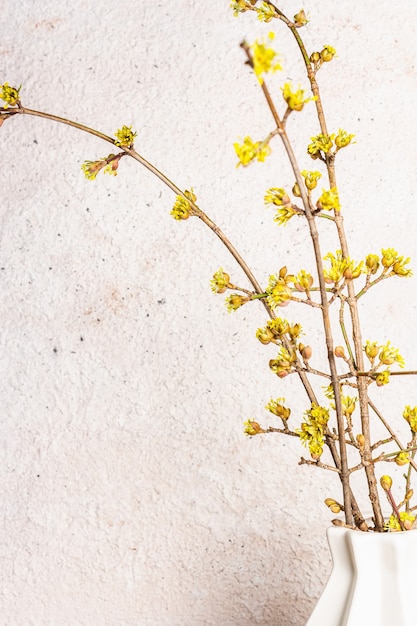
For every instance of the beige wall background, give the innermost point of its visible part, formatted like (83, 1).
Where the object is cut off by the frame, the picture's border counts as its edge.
(130, 496)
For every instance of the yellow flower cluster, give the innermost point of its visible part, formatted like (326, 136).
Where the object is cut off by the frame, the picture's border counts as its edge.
(303, 281)
(387, 355)
(410, 415)
(327, 53)
(277, 407)
(395, 263)
(407, 519)
(109, 165)
(182, 208)
(240, 6)
(235, 301)
(295, 99)
(264, 58)
(323, 144)
(348, 405)
(10, 95)
(329, 200)
(276, 196)
(341, 267)
(343, 139)
(278, 292)
(313, 429)
(220, 281)
(382, 378)
(125, 137)
(310, 179)
(266, 12)
(252, 428)
(275, 330)
(283, 364)
(250, 150)
(372, 263)
(320, 144)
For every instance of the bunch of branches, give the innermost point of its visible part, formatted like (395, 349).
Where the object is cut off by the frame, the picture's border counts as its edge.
(336, 282)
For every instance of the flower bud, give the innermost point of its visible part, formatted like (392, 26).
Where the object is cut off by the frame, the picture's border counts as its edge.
(333, 505)
(360, 440)
(252, 428)
(339, 352)
(294, 330)
(296, 190)
(372, 263)
(315, 57)
(371, 350)
(306, 352)
(409, 494)
(300, 19)
(386, 482)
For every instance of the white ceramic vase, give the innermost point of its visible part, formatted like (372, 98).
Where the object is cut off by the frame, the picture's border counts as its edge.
(373, 581)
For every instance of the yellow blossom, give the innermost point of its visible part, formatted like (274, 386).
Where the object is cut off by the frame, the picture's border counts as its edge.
(343, 139)
(313, 429)
(265, 335)
(371, 350)
(284, 362)
(407, 519)
(310, 179)
(266, 12)
(341, 267)
(277, 196)
(235, 301)
(410, 415)
(240, 6)
(372, 263)
(402, 458)
(220, 281)
(338, 265)
(391, 260)
(294, 330)
(382, 378)
(182, 208)
(348, 405)
(295, 99)
(276, 407)
(303, 281)
(329, 392)
(329, 200)
(275, 329)
(125, 137)
(108, 164)
(278, 293)
(320, 144)
(327, 53)
(252, 428)
(389, 355)
(10, 95)
(250, 150)
(264, 58)
(284, 214)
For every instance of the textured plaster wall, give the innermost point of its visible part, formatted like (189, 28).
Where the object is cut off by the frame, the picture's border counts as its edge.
(130, 496)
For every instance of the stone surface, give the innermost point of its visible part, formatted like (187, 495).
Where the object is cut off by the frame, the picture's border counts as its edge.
(130, 495)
